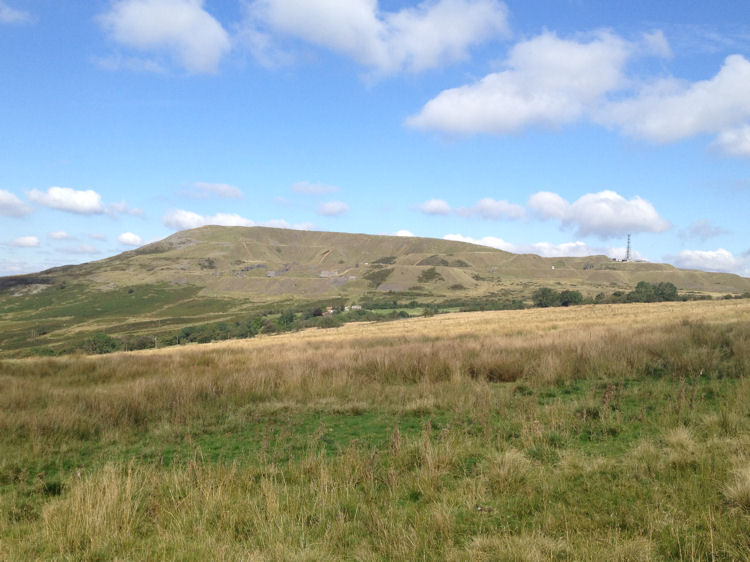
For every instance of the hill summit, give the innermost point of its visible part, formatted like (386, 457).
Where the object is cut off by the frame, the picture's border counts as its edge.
(216, 273)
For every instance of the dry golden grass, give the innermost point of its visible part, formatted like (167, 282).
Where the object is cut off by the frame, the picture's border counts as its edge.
(609, 432)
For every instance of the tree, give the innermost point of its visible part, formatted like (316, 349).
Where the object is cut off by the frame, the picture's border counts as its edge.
(570, 298)
(100, 343)
(666, 291)
(644, 292)
(286, 319)
(545, 297)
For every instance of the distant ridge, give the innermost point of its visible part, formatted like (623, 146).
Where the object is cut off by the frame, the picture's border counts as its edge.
(216, 272)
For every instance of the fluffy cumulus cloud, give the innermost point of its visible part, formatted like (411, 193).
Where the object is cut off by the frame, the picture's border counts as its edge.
(405, 233)
(84, 202)
(179, 219)
(25, 242)
(435, 207)
(181, 28)
(734, 142)
(12, 15)
(488, 208)
(223, 190)
(669, 110)
(544, 249)
(491, 241)
(548, 205)
(129, 239)
(548, 82)
(332, 208)
(310, 188)
(12, 206)
(414, 39)
(711, 260)
(606, 214)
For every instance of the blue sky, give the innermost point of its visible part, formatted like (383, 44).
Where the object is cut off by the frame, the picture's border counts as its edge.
(546, 126)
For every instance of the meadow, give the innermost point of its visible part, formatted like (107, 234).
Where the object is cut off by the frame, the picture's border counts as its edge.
(607, 432)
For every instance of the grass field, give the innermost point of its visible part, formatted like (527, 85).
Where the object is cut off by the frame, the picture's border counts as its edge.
(609, 432)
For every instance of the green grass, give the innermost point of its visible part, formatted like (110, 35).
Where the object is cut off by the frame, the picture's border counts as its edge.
(610, 443)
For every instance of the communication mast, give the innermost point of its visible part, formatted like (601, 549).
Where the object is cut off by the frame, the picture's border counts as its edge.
(627, 254)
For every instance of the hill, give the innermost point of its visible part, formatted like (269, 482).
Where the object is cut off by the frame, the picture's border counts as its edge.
(217, 273)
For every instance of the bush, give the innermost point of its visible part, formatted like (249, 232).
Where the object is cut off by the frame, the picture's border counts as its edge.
(100, 343)
(570, 298)
(546, 297)
(647, 292)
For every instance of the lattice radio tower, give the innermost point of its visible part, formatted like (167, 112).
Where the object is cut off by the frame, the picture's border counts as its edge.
(627, 253)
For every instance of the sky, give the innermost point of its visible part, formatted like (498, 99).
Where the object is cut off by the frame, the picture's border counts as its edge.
(554, 127)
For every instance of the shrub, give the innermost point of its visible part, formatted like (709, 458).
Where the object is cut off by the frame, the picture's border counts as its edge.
(546, 297)
(100, 343)
(569, 298)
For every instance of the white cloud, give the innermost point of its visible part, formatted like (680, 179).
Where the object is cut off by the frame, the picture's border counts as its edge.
(313, 188)
(261, 46)
(548, 205)
(702, 230)
(179, 219)
(84, 202)
(552, 82)
(710, 260)
(12, 206)
(488, 208)
(301, 226)
(491, 241)
(548, 82)
(669, 110)
(656, 43)
(182, 28)
(279, 223)
(544, 249)
(223, 190)
(414, 39)
(734, 142)
(605, 214)
(25, 242)
(14, 267)
(12, 15)
(122, 208)
(332, 208)
(405, 233)
(60, 235)
(435, 207)
(129, 239)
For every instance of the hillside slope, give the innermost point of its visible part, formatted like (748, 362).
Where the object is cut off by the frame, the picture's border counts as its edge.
(217, 273)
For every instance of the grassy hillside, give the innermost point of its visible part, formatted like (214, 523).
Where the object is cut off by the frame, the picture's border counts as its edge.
(215, 274)
(611, 432)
